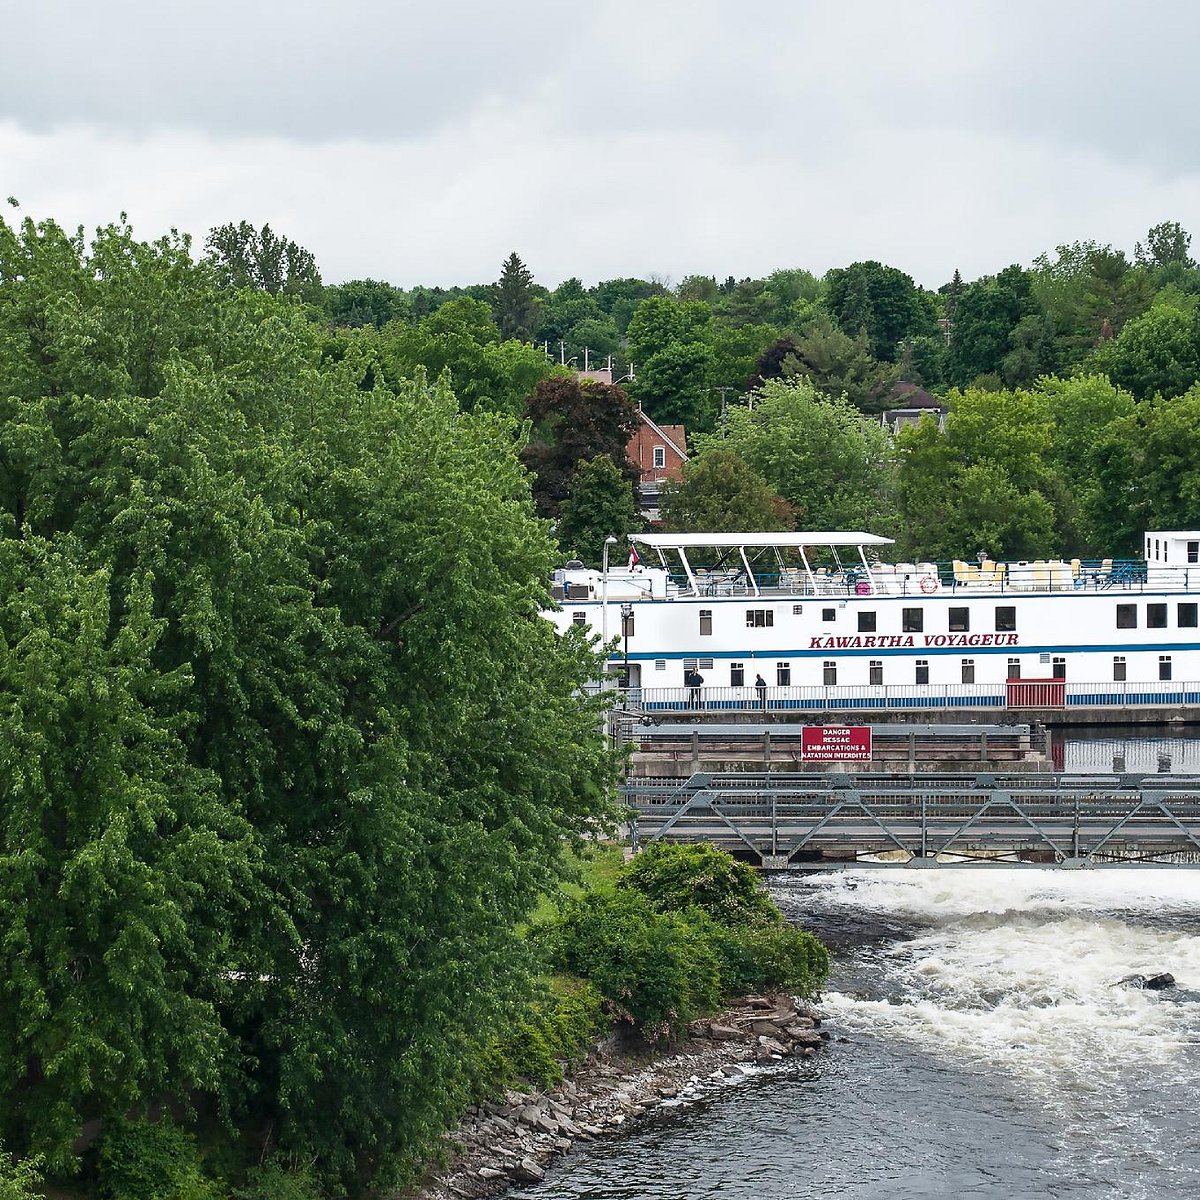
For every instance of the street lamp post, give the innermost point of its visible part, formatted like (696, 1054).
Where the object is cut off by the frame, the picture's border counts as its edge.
(608, 541)
(626, 621)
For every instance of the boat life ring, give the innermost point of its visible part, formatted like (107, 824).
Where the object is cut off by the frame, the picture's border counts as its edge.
(862, 588)
(929, 584)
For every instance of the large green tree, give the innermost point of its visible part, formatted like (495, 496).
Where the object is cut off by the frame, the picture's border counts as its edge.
(985, 316)
(840, 365)
(1088, 292)
(720, 493)
(988, 481)
(461, 339)
(1166, 243)
(1168, 454)
(260, 258)
(366, 302)
(601, 504)
(125, 875)
(669, 345)
(1157, 353)
(881, 300)
(819, 453)
(574, 421)
(289, 750)
(1095, 455)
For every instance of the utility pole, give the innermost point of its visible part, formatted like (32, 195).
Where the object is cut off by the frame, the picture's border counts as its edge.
(722, 391)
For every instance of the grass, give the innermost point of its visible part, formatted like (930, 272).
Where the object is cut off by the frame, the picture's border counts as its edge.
(596, 868)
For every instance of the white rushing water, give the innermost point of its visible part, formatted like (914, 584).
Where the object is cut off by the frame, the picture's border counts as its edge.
(989, 1054)
(1012, 972)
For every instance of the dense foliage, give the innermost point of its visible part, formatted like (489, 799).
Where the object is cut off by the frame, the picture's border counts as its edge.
(684, 928)
(288, 751)
(708, 354)
(678, 877)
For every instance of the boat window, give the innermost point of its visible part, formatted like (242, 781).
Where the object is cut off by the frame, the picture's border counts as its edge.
(912, 620)
(1156, 616)
(1119, 668)
(704, 664)
(960, 620)
(706, 622)
(760, 618)
(1060, 668)
(1126, 616)
(660, 664)
(1014, 668)
(922, 670)
(783, 674)
(1193, 552)
(1186, 616)
(1164, 666)
(579, 618)
(866, 622)
(876, 676)
(829, 614)
(1006, 618)
(829, 674)
(968, 670)
(737, 675)
(797, 610)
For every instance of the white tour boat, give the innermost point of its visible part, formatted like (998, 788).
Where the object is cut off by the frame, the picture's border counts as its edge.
(823, 620)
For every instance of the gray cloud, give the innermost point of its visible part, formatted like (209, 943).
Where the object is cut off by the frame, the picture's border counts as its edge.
(304, 69)
(619, 137)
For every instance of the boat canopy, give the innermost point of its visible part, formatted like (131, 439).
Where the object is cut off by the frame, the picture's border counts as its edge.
(685, 541)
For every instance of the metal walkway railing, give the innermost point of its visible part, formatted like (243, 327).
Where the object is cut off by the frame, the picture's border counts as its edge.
(899, 697)
(784, 820)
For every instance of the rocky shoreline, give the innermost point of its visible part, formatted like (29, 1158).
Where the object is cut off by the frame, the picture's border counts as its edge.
(514, 1140)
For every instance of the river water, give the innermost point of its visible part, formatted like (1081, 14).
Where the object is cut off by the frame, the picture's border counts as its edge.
(989, 1053)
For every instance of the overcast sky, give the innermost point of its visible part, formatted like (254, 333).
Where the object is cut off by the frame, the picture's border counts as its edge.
(420, 143)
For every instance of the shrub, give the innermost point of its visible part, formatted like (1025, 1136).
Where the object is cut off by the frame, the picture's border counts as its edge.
(144, 1160)
(272, 1181)
(560, 1026)
(676, 877)
(656, 971)
(20, 1179)
(771, 958)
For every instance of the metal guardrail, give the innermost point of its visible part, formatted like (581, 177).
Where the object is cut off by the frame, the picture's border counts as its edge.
(904, 697)
(786, 820)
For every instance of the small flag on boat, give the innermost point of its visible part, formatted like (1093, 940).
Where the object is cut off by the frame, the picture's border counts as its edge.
(634, 558)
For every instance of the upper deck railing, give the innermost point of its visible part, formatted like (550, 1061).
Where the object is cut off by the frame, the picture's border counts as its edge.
(939, 578)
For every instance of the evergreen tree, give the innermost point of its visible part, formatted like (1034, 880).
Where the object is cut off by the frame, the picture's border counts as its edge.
(513, 301)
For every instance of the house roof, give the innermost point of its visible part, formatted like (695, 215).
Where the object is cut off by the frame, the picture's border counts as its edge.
(909, 395)
(676, 439)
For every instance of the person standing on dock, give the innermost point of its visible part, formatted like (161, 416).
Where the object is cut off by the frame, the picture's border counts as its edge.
(760, 686)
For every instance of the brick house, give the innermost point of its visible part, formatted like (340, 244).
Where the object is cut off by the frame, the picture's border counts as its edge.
(658, 452)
